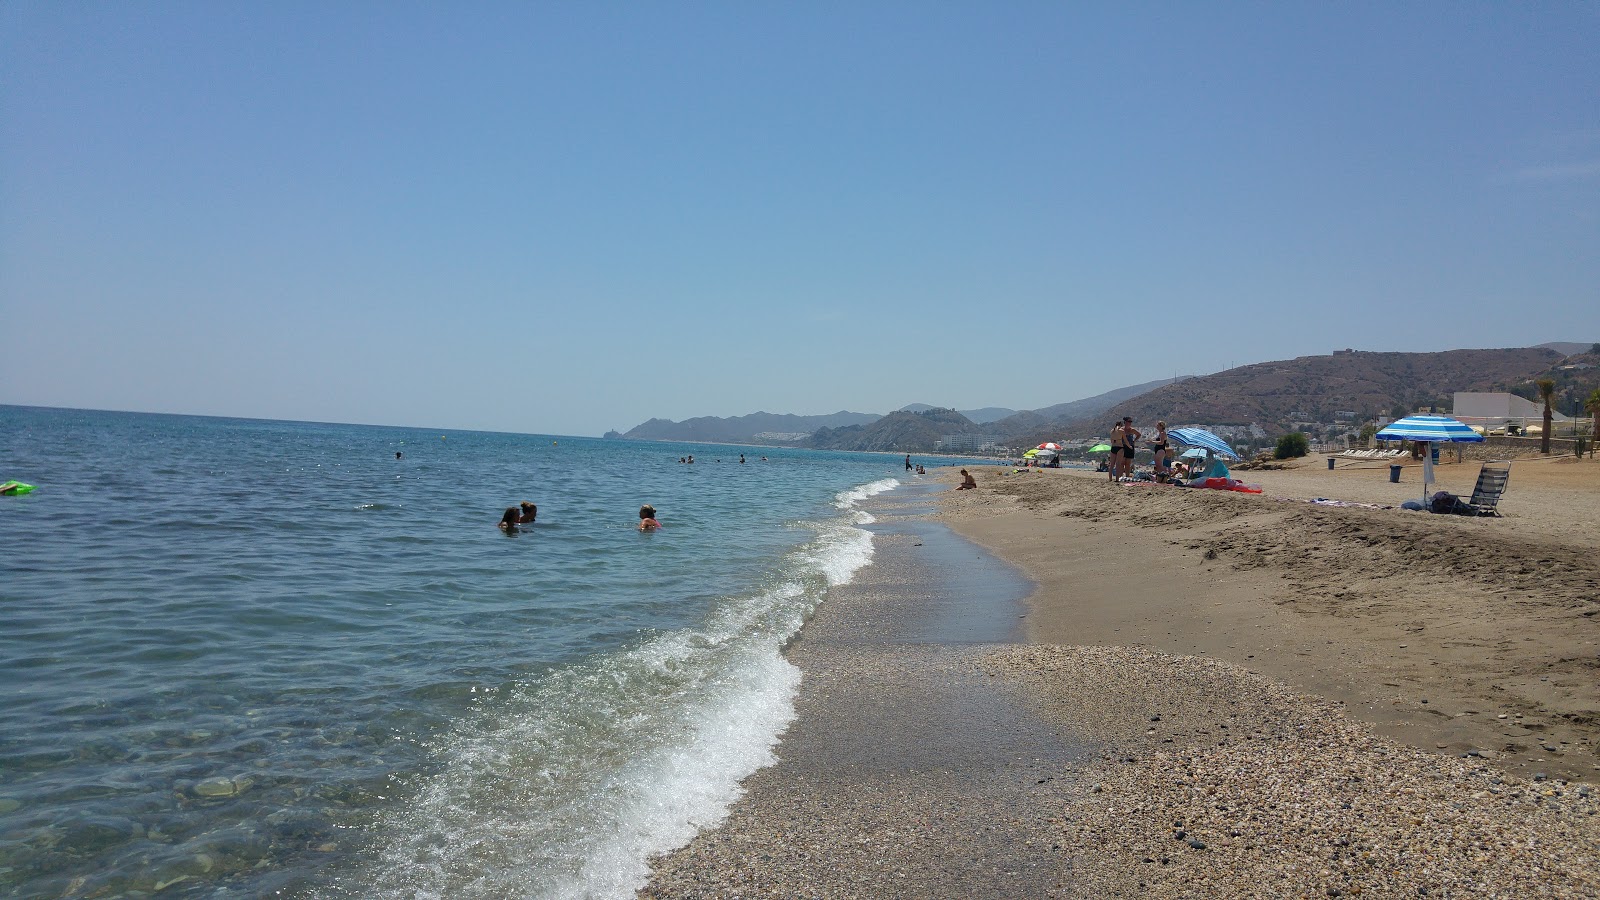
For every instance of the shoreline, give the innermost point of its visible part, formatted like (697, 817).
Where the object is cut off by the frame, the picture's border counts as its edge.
(1206, 738)
(909, 769)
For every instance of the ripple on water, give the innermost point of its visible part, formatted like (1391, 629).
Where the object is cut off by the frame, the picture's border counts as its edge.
(268, 640)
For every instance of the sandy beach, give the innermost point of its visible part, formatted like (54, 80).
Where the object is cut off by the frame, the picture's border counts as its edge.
(1231, 695)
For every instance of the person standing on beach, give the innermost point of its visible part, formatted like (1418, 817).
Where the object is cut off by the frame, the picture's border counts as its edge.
(1130, 437)
(1160, 446)
(1114, 462)
(908, 462)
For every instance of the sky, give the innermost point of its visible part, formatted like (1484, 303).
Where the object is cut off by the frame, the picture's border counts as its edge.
(564, 218)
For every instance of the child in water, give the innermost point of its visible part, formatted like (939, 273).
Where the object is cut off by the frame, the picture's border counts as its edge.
(647, 518)
(508, 522)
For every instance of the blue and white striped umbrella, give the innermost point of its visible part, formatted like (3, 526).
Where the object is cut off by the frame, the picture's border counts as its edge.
(1200, 437)
(1428, 428)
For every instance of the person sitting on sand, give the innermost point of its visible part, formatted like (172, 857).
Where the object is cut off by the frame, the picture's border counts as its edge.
(508, 522)
(529, 513)
(967, 481)
(647, 518)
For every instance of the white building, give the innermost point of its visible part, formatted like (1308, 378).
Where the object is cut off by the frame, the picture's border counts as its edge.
(1498, 410)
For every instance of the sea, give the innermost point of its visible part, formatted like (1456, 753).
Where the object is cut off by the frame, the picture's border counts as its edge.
(247, 658)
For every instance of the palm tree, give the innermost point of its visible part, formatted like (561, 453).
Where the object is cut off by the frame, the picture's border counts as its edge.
(1593, 406)
(1547, 393)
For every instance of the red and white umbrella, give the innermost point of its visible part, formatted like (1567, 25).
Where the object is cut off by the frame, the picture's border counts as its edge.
(1047, 445)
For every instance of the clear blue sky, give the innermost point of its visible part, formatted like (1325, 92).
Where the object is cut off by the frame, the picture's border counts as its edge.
(569, 217)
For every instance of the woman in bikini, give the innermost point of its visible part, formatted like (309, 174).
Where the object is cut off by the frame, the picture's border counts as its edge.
(1130, 438)
(1160, 446)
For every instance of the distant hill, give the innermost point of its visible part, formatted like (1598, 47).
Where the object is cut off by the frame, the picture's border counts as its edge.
(1576, 377)
(1569, 348)
(1277, 394)
(1033, 422)
(743, 429)
(902, 431)
(980, 416)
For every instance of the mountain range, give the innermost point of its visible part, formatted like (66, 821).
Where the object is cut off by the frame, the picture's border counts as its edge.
(1347, 385)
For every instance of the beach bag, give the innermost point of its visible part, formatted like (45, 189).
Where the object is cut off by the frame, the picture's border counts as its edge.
(1445, 502)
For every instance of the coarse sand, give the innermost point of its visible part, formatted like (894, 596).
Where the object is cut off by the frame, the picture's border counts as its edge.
(1220, 695)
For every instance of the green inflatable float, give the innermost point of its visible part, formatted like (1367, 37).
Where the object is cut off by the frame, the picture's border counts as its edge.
(13, 488)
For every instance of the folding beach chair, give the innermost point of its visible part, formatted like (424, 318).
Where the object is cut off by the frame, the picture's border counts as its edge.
(1492, 480)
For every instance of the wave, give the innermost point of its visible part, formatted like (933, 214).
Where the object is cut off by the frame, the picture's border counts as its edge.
(567, 785)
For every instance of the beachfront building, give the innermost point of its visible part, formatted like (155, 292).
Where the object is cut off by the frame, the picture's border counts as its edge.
(781, 437)
(966, 443)
(1492, 411)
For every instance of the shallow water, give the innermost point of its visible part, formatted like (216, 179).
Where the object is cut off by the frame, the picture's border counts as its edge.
(242, 657)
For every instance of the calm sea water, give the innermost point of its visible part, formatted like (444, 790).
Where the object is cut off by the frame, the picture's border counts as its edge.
(247, 658)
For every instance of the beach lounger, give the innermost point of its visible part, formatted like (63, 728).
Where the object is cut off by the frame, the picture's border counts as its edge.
(1492, 480)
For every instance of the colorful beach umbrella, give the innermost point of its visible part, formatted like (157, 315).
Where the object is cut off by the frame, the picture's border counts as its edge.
(1048, 446)
(1100, 448)
(1199, 437)
(1428, 428)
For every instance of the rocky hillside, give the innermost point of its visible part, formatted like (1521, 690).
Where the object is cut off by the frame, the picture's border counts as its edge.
(1039, 421)
(1576, 377)
(906, 432)
(742, 429)
(1318, 388)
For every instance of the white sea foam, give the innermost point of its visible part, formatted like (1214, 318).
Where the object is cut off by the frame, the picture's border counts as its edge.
(567, 787)
(848, 499)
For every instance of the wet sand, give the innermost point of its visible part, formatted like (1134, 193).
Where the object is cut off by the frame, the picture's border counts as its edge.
(911, 770)
(1221, 695)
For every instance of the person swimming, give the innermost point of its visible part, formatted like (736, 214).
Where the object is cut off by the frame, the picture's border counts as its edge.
(529, 513)
(508, 522)
(647, 518)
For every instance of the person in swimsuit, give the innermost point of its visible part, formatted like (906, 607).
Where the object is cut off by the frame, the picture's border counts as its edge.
(529, 513)
(1159, 445)
(967, 481)
(508, 522)
(1130, 438)
(1114, 459)
(647, 518)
